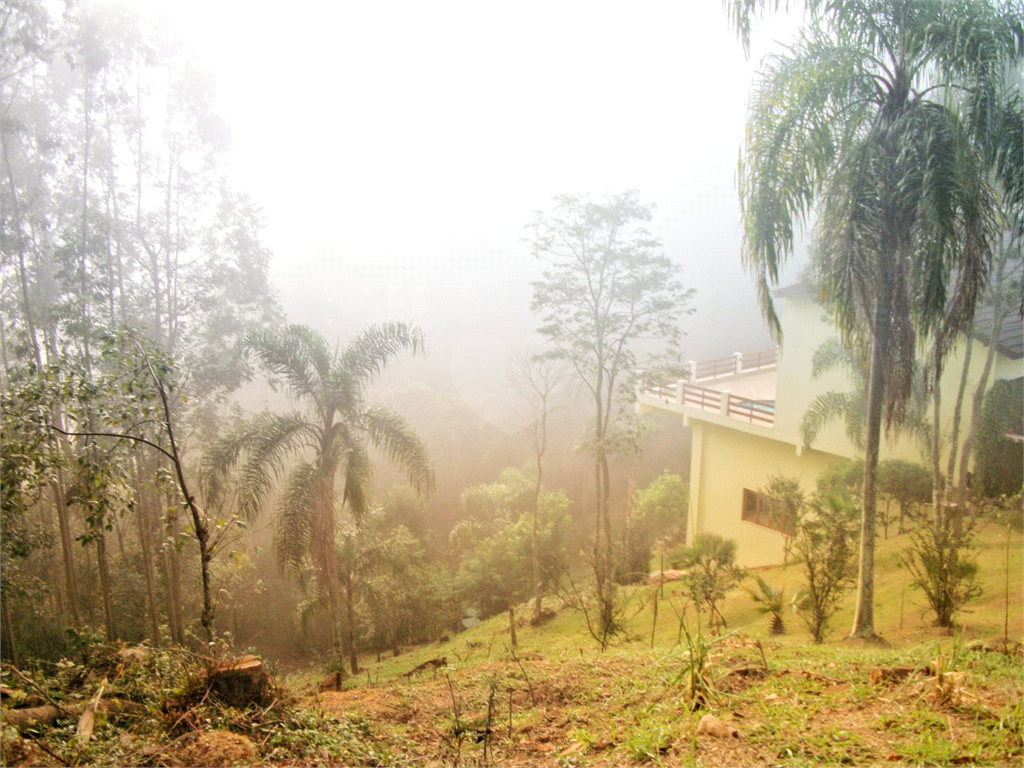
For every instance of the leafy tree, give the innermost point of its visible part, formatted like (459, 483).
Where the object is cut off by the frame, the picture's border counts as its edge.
(497, 564)
(542, 377)
(372, 563)
(858, 121)
(906, 483)
(824, 545)
(332, 435)
(605, 287)
(787, 501)
(660, 512)
(999, 469)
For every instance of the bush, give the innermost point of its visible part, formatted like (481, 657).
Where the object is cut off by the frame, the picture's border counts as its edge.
(712, 572)
(824, 543)
(939, 567)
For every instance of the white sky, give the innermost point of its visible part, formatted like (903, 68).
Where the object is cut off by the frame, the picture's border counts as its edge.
(399, 148)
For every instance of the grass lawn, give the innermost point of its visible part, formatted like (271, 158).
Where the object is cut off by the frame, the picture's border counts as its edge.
(559, 701)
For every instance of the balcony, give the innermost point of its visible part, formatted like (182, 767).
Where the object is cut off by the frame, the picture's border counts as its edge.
(741, 386)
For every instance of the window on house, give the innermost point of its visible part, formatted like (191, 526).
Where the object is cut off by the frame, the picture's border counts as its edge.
(761, 510)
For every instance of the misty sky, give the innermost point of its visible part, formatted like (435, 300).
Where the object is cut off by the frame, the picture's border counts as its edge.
(398, 149)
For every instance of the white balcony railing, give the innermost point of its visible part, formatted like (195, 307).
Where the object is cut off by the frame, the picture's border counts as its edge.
(689, 394)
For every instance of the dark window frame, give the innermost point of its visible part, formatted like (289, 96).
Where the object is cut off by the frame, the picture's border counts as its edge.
(756, 508)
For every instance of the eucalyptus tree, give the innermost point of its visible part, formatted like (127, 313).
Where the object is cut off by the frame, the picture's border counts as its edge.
(859, 122)
(606, 288)
(330, 437)
(541, 377)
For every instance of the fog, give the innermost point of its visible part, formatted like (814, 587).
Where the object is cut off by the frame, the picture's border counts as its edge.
(398, 150)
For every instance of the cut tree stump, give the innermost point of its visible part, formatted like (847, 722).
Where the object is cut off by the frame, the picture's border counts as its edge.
(720, 729)
(240, 682)
(889, 675)
(333, 682)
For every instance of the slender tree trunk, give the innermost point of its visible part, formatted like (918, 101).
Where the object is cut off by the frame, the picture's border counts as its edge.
(350, 630)
(541, 445)
(143, 519)
(104, 570)
(67, 549)
(864, 616)
(174, 575)
(11, 650)
(936, 448)
(999, 311)
(26, 304)
(954, 427)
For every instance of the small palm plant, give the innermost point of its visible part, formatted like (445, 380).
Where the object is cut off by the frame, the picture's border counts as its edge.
(768, 600)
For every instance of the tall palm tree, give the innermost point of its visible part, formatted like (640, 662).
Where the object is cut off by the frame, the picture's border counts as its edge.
(329, 439)
(860, 123)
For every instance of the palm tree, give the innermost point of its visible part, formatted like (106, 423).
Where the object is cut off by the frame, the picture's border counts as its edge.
(329, 439)
(859, 122)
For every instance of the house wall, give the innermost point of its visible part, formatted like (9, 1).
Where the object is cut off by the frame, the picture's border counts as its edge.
(729, 455)
(723, 462)
(806, 327)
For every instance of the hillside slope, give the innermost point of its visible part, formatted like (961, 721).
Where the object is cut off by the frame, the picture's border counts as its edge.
(556, 700)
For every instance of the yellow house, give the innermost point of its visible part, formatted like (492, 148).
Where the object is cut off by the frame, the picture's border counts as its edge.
(745, 412)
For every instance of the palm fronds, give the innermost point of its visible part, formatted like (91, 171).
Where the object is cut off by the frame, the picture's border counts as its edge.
(391, 433)
(367, 354)
(295, 516)
(265, 443)
(296, 354)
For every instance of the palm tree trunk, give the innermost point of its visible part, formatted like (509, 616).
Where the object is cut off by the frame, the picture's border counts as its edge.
(954, 427)
(936, 447)
(864, 616)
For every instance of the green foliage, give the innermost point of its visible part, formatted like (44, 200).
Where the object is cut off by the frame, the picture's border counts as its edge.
(659, 513)
(787, 501)
(940, 567)
(497, 572)
(648, 743)
(1000, 465)
(711, 572)
(825, 544)
(768, 600)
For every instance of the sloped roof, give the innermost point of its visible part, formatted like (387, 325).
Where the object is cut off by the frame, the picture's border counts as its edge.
(1011, 335)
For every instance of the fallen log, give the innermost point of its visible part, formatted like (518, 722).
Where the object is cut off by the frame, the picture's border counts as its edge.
(30, 717)
(47, 714)
(440, 661)
(880, 675)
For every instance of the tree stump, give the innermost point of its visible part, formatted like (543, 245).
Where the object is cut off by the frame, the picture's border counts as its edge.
(240, 682)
